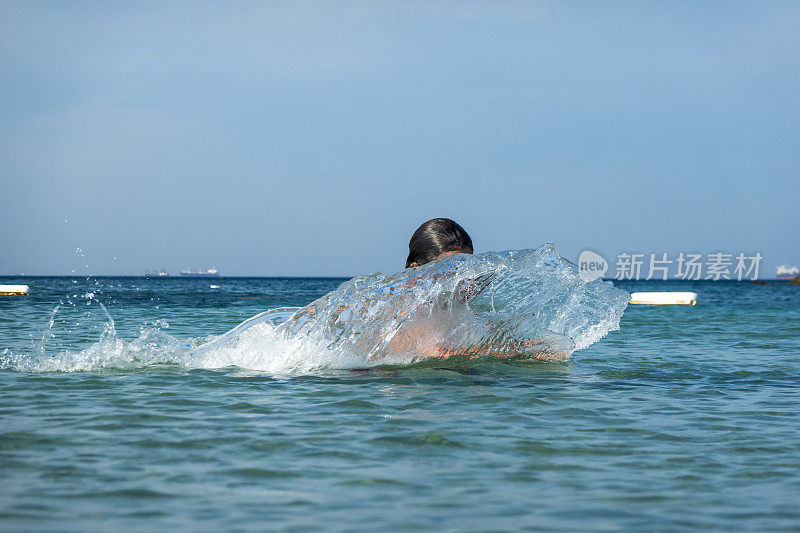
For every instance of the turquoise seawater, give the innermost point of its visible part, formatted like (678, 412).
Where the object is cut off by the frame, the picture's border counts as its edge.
(688, 417)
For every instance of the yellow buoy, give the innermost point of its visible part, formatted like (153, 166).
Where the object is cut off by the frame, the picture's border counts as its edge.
(664, 298)
(13, 289)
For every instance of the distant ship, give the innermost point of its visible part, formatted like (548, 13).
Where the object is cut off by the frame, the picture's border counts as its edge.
(156, 273)
(208, 273)
(785, 272)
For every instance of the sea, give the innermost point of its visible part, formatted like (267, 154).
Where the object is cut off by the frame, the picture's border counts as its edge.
(685, 418)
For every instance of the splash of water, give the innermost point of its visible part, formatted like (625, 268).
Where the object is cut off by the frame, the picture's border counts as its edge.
(521, 305)
(73, 322)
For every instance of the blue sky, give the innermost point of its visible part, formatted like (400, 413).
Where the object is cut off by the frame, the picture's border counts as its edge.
(270, 138)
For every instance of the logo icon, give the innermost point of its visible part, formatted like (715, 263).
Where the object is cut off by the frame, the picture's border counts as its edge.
(591, 265)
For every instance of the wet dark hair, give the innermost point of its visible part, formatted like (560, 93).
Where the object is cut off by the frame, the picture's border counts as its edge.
(435, 237)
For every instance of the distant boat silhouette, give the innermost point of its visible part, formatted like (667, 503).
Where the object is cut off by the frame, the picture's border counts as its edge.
(202, 273)
(785, 272)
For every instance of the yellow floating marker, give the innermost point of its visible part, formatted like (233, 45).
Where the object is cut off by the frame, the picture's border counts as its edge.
(13, 289)
(664, 298)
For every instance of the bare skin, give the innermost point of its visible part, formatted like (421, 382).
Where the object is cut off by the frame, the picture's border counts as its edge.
(429, 335)
(419, 335)
(413, 335)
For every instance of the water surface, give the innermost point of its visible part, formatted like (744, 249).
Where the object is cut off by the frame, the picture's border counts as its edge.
(687, 417)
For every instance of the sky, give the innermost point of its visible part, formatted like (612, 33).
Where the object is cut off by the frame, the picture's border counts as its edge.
(312, 138)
